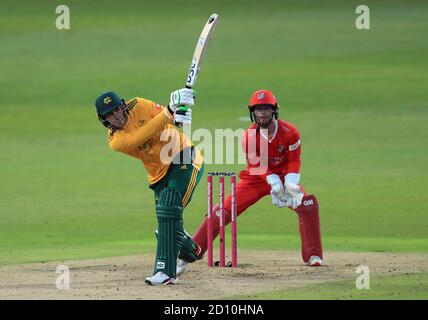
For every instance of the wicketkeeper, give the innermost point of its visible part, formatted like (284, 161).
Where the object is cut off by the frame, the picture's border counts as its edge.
(145, 130)
(280, 177)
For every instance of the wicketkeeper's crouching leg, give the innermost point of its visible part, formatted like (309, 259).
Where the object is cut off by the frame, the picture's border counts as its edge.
(249, 192)
(309, 227)
(200, 237)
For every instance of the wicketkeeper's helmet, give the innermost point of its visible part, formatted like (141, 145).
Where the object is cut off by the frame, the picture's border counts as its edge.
(263, 97)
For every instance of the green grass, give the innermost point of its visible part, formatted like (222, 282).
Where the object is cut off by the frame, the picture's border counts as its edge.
(359, 99)
(397, 287)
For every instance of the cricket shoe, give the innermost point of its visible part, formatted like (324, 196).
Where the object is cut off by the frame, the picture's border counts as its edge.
(160, 278)
(182, 262)
(315, 261)
(181, 266)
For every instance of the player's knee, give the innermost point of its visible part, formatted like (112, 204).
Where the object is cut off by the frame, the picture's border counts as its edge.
(308, 206)
(169, 204)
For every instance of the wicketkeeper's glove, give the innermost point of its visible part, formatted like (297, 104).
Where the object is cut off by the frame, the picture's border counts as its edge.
(276, 186)
(292, 194)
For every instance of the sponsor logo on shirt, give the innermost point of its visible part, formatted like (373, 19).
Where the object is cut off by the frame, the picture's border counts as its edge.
(276, 160)
(146, 146)
(281, 148)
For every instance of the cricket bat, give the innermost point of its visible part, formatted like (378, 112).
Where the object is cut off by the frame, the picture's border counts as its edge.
(198, 55)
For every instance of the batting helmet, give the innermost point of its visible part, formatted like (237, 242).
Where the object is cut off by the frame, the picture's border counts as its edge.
(105, 103)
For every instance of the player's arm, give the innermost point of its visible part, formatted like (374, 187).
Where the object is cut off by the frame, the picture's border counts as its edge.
(123, 141)
(292, 193)
(292, 173)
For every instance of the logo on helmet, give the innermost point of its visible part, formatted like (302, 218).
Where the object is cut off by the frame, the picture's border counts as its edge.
(107, 100)
(261, 96)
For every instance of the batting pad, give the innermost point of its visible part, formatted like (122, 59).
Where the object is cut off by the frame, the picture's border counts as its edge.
(170, 231)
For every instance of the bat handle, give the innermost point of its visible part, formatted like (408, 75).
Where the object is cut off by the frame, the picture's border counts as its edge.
(182, 110)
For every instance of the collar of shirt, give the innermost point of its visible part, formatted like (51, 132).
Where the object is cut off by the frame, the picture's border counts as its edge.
(275, 130)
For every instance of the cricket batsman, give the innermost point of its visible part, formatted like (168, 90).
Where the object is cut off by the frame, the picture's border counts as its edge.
(280, 178)
(147, 131)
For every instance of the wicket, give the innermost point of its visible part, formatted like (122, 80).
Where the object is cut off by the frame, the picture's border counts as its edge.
(222, 218)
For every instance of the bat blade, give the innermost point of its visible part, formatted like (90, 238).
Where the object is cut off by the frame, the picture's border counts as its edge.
(200, 50)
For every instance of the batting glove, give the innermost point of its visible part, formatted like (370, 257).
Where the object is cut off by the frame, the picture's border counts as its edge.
(181, 97)
(184, 117)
